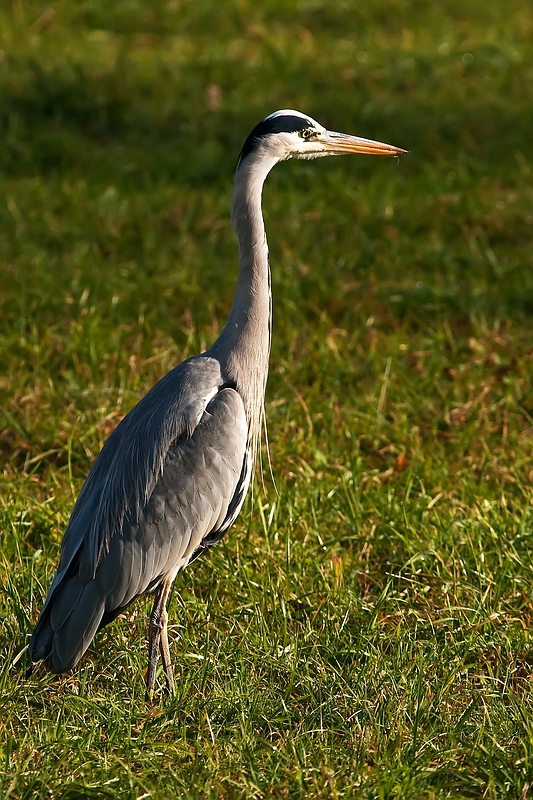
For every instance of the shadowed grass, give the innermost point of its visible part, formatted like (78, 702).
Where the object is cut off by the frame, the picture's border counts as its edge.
(364, 629)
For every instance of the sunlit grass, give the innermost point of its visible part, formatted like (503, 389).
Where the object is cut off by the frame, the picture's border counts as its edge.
(364, 629)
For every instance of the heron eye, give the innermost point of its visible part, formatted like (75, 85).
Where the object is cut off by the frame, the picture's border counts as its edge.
(307, 133)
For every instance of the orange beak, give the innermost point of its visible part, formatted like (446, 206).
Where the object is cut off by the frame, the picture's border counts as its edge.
(339, 143)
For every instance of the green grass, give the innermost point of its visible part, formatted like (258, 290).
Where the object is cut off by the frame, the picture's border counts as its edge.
(364, 629)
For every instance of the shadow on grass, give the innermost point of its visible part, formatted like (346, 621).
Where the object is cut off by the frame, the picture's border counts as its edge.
(73, 116)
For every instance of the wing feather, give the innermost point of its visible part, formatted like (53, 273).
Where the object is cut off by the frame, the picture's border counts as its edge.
(78, 630)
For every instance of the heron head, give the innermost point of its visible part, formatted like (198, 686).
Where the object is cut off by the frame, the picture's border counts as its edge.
(289, 134)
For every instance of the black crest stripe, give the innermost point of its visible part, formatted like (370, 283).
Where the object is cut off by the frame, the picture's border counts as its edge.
(286, 123)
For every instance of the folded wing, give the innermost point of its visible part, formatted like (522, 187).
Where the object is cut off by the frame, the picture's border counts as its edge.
(146, 511)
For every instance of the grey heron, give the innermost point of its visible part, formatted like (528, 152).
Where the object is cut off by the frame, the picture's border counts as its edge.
(172, 477)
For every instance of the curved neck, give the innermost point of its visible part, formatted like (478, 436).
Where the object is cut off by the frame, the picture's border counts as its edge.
(243, 346)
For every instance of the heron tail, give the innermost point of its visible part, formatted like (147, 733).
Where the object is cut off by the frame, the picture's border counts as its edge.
(67, 624)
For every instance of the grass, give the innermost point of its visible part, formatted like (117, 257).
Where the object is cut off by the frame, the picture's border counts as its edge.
(364, 630)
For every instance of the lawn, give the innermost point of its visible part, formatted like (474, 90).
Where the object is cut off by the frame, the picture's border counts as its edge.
(363, 631)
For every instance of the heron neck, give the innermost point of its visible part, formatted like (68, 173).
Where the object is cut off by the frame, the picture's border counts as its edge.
(244, 345)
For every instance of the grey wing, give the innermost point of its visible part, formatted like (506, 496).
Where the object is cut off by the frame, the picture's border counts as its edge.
(193, 502)
(127, 469)
(196, 491)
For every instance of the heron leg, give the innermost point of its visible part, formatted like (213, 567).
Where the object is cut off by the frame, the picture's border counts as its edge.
(165, 652)
(158, 639)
